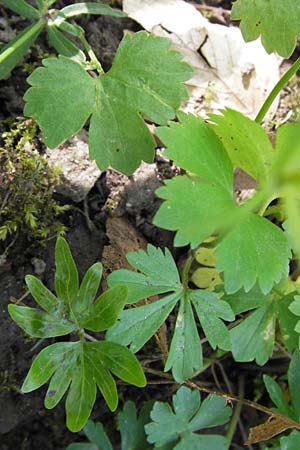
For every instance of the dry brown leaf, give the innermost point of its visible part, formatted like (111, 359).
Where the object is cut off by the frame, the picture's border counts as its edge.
(269, 429)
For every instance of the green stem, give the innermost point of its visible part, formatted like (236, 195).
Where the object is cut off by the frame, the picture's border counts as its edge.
(276, 90)
(94, 60)
(186, 270)
(236, 415)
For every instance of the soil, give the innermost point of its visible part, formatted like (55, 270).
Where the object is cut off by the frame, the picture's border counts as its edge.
(24, 422)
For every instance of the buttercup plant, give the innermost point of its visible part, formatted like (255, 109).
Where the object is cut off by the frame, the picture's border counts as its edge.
(252, 253)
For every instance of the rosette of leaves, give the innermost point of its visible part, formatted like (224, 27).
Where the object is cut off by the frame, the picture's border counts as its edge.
(272, 20)
(78, 367)
(131, 426)
(174, 429)
(201, 203)
(57, 26)
(145, 81)
(158, 275)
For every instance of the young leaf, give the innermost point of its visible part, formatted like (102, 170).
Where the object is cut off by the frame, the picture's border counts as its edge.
(175, 429)
(115, 101)
(246, 142)
(272, 19)
(76, 367)
(66, 275)
(63, 45)
(137, 325)
(246, 256)
(87, 8)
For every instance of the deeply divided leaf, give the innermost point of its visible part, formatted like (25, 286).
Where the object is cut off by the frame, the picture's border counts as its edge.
(175, 428)
(137, 325)
(145, 81)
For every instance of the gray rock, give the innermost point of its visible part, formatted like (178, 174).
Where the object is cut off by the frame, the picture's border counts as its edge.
(78, 172)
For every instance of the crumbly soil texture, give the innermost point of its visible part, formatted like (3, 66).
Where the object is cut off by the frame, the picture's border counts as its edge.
(24, 422)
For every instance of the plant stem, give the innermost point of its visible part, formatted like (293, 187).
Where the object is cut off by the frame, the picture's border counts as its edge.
(276, 90)
(186, 270)
(94, 60)
(236, 414)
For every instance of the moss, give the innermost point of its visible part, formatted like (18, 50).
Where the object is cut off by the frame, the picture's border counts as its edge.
(27, 184)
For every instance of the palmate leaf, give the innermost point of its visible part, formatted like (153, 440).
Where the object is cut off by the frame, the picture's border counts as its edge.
(174, 429)
(272, 20)
(77, 367)
(144, 81)
(254, 337)
(201, 203)
(136, 325)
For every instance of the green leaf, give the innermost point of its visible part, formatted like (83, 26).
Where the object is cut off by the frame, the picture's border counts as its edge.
(137, 325)
(193, 441)
(294, 387)
(272, 19)
(171, 428)
(13, 52)
(208, 203)
(66, 275)
(132, 427)
(63, 45)
(246, 256)
(116, 101)
(291, 442)
(38, 323)
(286, 179)
(96, 434)
(22, 8)
(210, 310)
(153, 280)
(204, 155)
(41, 294)
(85, 447)
(78, 367)
(88, 289)
(88, 8)
(254, 337)
(185, 355)
(105, 311)
(246, 142)
(277, 396)
(46, 363)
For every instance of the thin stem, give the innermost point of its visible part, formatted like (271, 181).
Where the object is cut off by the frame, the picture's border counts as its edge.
(94, 60)
(236, 415)
(186, 270)
(276, 90)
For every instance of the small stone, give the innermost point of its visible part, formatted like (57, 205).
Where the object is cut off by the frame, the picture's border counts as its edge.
(39, 266)
(78, 172)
